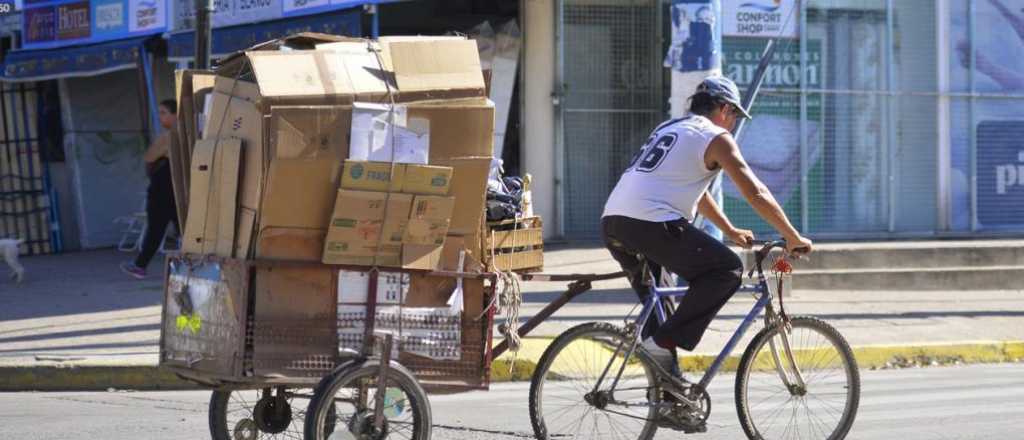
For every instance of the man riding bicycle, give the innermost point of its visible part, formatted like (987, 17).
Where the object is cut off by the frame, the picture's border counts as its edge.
(649, 214)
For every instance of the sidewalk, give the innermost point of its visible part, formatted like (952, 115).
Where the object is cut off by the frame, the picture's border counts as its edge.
(77, 322)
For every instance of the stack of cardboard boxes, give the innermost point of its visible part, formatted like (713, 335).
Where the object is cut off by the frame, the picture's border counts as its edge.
(351, 152)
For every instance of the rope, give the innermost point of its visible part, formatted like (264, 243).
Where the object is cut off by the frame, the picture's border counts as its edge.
(508, 301)
(391, 175)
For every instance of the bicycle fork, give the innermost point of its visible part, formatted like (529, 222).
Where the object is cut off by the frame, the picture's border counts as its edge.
(789, 368)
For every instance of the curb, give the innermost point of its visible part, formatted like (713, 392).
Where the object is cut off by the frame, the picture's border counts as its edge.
(504, 369)
(868, 357)
(90, 378)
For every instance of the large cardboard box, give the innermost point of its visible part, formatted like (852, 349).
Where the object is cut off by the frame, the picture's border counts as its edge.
(366, 228)
(428, 221)
(310, 132)
(387, 229)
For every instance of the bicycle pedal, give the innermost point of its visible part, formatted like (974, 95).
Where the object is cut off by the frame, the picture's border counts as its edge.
(670, 421)
(698, 429)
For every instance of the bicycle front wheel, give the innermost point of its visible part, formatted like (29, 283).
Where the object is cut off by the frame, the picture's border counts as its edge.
(565, 401)
(344, 405)
(771, 402)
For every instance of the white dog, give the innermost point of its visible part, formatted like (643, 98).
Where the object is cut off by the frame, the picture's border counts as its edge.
(10, 248)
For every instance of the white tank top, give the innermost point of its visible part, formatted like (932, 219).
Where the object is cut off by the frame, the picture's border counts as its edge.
(667, 177)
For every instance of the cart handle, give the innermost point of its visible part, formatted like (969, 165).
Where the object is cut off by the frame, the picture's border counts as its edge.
(572, 276)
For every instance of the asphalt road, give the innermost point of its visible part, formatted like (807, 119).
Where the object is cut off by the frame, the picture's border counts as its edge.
(961, 402)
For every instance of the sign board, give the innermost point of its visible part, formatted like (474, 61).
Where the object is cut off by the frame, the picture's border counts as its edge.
(761, 18)
(1000, 172)
(57, 23)
(235, 12)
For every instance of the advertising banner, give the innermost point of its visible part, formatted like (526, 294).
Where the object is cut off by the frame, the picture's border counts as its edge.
(761, 18)
(996, 122)
(771, 140)
(56, 23)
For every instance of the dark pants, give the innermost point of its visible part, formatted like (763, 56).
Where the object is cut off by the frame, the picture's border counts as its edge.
(711, 269)
(160, 211)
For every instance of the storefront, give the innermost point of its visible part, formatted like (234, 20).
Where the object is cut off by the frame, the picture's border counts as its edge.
(94, 74)
(101, 67)
(875, 120)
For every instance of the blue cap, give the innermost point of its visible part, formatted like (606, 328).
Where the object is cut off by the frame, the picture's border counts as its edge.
(722, 87)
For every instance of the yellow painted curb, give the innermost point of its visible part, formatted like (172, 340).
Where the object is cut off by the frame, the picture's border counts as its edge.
(93, 378)
(868, 357)
(90, 378)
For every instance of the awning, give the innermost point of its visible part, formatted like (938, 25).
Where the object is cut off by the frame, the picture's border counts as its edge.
(72, 61)
(228, 40)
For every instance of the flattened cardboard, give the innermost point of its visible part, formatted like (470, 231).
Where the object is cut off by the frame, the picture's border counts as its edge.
(450, 256)
(414, 68)
(245, 232)
(310, 132)
(291, 244)
(300, 193)
(202, 173)
(469, 187)
(321, 74)
(294, 319)
(463, 128)
(228, 163)
(236, 117)
(417, 256)
(431, 65)
(178, 173)
(238, 88)
(434, 291)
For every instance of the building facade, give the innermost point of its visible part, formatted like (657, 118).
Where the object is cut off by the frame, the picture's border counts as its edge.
(877, 119)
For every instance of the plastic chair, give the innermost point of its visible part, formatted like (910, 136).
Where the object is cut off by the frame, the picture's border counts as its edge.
(134, 230)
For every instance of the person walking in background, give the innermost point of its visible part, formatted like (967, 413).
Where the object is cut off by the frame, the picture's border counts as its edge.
(160, 206)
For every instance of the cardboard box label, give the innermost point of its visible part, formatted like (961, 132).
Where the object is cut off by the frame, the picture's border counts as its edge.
(372, 176)
(396, 177)
(427, 179)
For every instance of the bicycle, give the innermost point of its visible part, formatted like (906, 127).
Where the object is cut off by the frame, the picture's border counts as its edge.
(794, 368)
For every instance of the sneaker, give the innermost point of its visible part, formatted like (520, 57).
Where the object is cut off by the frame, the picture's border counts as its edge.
(665, 358)
(133, 270)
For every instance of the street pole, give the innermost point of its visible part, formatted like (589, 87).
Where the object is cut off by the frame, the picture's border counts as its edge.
(204, 12)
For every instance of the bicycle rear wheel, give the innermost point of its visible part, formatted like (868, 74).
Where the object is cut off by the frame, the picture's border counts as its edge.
(563, 403)
(825, 408)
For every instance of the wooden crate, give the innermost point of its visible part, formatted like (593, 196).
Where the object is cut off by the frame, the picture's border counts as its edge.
(515, 244)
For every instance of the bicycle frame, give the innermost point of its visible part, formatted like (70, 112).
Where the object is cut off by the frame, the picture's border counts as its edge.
(656, 295)
(652, 304)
